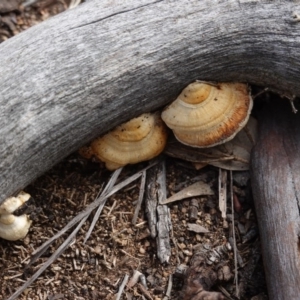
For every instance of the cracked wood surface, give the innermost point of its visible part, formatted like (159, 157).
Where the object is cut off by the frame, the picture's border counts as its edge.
(276, 189)
(158, 215)
(79, 74)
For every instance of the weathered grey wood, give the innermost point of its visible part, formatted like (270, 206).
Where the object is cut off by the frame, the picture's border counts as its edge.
(77, 75)
(159, 218)
(276, 190)
(164, 223)
(151, 200)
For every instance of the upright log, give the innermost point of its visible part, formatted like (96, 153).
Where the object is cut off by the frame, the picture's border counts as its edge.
(276, 189)
(77, 75)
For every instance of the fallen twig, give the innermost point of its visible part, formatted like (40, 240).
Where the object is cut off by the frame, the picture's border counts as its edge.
(164, 223)
(140, 200)
(122, 286)
(151, 201)
(169, 288)
(143, 290)
(159, 218)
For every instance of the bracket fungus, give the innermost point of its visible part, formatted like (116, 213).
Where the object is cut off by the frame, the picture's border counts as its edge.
(207, 114)
(13, 227)
(233, 155)
(204, 115)
(137, 140)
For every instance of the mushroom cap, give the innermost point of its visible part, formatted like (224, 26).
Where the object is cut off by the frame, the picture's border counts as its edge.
(12, 203)
(206, 115)
(13, 228)
(137, 140)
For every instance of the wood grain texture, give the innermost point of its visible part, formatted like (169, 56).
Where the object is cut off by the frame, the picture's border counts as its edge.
(276, 190)
(77, 75)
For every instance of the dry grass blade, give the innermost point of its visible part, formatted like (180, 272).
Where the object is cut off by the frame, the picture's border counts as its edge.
(107, 189)
(122, 286)
(38, 252)
(169, 289)
(53, 257)
(140, 200)
(81, 217)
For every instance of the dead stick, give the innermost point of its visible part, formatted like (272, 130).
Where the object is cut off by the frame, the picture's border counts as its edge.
(169, 288)
(140, 200)
(122, 286)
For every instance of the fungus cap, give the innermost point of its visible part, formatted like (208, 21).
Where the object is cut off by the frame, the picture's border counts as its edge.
(12, 203)
(12, 227)
(137, 140)
(206, 114)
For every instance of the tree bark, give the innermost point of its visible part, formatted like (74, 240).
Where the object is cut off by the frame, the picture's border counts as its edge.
(79, 74)
(276, 189)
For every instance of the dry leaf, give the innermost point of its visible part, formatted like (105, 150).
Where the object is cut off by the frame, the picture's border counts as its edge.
(197, 228)
(196, 189)
(199, 166)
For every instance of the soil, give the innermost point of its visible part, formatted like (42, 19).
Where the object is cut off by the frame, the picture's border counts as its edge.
(116, 247)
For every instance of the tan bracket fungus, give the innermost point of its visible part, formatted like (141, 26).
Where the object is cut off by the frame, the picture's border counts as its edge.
(204, 115)
(137, 140)
(207, 114)
(13, 227)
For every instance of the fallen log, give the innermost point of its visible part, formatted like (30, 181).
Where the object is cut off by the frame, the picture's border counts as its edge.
(79, 74)
(276, 189)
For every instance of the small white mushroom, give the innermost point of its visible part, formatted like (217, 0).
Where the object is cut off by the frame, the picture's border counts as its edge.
(12, 227)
